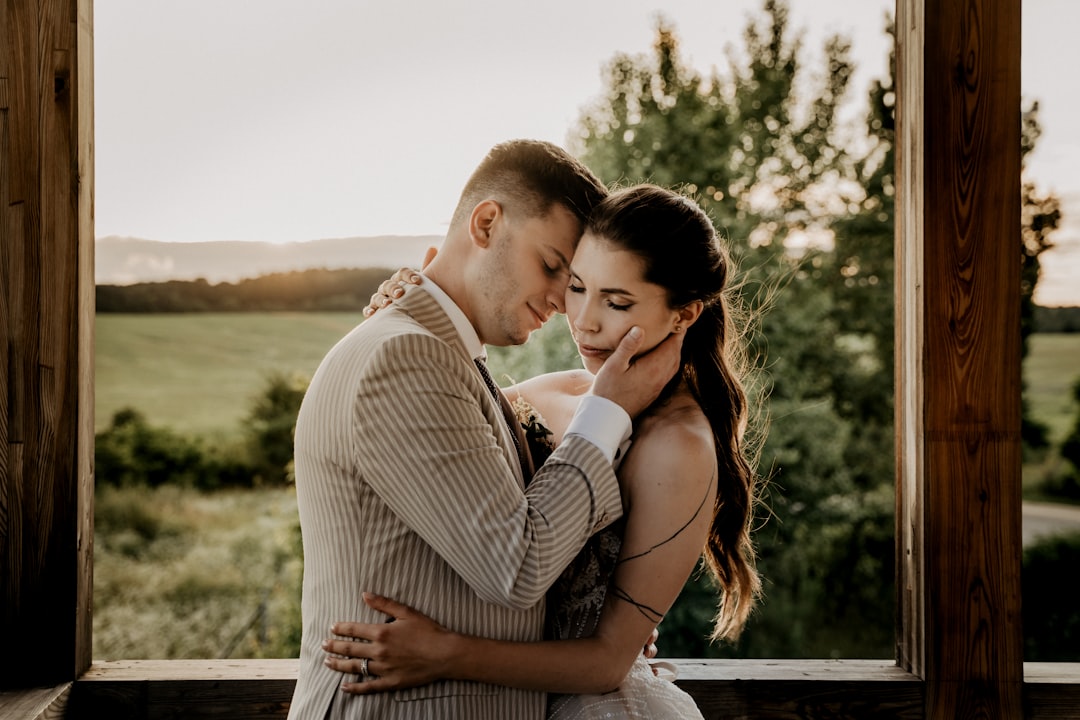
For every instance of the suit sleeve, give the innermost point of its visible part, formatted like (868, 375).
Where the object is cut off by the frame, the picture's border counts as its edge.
(424, 444)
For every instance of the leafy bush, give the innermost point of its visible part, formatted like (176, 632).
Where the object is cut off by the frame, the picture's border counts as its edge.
(1070, 449)
(271, 425)
(132, 452)
(1062, 479)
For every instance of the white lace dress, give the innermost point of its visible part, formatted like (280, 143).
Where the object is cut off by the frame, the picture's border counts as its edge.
(573, 611)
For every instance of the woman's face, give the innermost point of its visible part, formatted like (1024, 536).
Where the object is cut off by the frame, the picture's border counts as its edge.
(607, 296)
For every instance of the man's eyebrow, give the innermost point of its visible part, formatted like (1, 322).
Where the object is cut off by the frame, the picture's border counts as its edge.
(564, 263)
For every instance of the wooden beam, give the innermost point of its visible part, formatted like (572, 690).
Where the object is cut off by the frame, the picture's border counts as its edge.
(958, 355)
(46, 341)
(85, 303)
(910, 471)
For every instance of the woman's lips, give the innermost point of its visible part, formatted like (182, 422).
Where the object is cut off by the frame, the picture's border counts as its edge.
(590, 351)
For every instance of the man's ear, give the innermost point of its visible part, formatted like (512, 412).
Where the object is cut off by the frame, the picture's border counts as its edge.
(482, 222)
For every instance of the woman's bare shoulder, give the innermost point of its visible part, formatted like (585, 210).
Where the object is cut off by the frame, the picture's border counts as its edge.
(672, 453)
(565, 382)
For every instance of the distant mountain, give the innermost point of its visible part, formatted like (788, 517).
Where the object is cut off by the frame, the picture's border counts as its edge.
(125, 261)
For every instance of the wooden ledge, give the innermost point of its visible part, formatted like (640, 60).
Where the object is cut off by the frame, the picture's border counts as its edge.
(1052, 673)
(690, 670)
(35, 704)
(1052, 690)
(781, 670)
(744, 689)
(167, 670)
(722, 688)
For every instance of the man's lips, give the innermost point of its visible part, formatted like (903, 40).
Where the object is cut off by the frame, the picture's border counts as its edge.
(539, 318)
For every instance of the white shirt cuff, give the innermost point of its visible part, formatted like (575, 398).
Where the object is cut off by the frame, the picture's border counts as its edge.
(603, 423)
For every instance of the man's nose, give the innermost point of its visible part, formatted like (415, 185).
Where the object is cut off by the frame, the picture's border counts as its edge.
(557, 297)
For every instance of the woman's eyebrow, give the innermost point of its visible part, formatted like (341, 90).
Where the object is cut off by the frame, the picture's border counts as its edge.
(605, 291)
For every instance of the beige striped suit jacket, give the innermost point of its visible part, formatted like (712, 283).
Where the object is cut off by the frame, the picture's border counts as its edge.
(408, 485)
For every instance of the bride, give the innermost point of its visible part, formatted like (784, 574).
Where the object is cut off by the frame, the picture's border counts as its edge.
(651, 258)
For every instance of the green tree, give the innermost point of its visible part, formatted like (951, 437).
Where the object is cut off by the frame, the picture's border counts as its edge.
(771, 167)
(1040, 215)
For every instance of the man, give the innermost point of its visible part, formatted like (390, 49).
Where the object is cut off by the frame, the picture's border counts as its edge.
(409, 478)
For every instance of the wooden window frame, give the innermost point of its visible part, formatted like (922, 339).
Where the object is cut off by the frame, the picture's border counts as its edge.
(959, 649)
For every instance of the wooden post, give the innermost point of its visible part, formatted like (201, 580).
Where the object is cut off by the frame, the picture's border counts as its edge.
(46, 340)
(958, 354)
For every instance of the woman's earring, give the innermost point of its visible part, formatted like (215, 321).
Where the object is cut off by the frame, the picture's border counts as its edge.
(678, 328)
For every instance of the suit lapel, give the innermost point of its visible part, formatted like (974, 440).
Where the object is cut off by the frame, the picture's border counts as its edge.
(418, 304)
(425, 310)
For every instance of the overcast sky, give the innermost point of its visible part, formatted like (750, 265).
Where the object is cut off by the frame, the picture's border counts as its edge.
(283, 120)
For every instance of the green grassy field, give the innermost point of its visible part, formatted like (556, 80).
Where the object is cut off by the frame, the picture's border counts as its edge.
(197, 373)
(1051, 370)
(184, 574)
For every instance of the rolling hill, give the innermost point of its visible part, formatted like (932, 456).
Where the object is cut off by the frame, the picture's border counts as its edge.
(125, 260)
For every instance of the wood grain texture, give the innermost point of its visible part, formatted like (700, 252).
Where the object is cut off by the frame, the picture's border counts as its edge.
(85, 300)
(959, 363)
(972, 336)
(48, 703)
(46, 226)
(910, 450)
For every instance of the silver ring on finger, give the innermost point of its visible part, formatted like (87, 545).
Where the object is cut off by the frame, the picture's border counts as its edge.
(364, 668)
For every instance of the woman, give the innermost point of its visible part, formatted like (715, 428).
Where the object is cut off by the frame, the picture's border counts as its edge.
(649, 257)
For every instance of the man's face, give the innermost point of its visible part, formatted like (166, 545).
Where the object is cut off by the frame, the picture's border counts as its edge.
(524, 275)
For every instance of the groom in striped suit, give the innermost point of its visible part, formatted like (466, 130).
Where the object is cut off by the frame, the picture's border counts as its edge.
(412, 482)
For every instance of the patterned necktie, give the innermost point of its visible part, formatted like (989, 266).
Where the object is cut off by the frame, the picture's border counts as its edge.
(512, 423)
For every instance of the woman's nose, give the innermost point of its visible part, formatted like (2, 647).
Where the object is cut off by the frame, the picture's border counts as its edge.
(585, 320)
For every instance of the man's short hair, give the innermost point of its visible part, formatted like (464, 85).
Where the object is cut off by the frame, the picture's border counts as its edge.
(529, 177)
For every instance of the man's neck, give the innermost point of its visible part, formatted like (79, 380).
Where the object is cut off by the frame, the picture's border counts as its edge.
(462, 322)
(453, 284)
